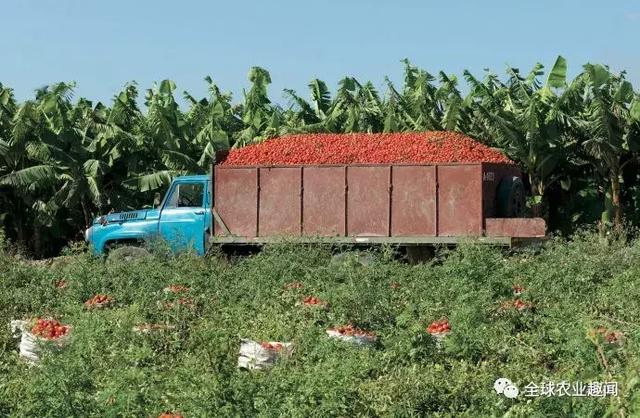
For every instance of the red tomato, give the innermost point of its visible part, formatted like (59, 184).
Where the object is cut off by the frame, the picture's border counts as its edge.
(439, 327)
(98, 299)
(49, 329)
(406, 147)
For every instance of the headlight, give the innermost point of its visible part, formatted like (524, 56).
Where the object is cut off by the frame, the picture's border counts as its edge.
(87, 234)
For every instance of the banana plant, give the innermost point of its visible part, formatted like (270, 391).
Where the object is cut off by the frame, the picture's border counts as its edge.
(257, 113)
(609, 120)
(212, 122)
(304, 116)
(528, 123)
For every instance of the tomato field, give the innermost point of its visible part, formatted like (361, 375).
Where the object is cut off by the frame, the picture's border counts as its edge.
(444, 332)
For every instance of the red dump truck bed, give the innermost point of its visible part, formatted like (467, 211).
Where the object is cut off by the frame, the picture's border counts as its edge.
(381, 203)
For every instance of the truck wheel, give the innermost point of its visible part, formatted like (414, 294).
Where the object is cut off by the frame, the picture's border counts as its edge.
(358, 258)
(510, 198)
(127, 253)
(417, 254)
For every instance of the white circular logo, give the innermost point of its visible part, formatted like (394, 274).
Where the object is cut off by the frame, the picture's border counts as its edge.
(500, 384)
(511, 392)
(504, 386)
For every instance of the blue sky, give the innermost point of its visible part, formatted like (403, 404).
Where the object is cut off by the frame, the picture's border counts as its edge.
(104, 44)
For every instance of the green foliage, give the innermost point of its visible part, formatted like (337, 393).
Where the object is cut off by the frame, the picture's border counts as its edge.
(108, 370)
(64, 162)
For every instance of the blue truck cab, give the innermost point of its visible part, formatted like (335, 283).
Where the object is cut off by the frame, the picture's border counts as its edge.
(183, 220)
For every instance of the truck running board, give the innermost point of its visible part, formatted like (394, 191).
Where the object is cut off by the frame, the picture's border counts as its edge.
(499, 241)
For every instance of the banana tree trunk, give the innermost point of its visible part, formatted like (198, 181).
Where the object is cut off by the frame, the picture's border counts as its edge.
(615, 198)
(536, 209)
(37, 241)
(537, 193)
(19, 224)
(85, 212)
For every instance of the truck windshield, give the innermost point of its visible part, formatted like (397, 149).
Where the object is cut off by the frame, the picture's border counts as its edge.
(186, 195)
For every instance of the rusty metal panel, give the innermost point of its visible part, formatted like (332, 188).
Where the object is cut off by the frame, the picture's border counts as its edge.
(413, 201)
(368, 201)
(515, 227)
(236, 197)
(280, 201)
(492, 174)
(459, 200)
(323, 209)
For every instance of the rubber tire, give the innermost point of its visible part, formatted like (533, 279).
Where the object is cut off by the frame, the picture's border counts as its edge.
(127, 253)
(359, 258)
(418, 254)
(510, 198)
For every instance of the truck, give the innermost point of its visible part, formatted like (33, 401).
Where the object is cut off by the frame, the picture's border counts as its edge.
(413, 206)
(182, 219)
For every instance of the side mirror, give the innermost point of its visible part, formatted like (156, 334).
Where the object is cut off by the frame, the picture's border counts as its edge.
(157, 200)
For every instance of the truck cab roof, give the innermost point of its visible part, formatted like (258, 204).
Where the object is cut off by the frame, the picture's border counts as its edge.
(198, 177)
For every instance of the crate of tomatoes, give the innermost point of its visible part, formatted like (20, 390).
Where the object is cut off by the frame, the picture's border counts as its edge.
(352, 334)
(262, 355)
(40, 335)
(99, 301)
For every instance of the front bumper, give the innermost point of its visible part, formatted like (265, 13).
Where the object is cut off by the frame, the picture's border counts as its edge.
(88, 233)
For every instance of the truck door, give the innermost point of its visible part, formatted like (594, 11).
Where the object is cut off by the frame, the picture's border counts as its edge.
(182, 220)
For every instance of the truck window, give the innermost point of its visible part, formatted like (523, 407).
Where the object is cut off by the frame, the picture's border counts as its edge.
(187, 195)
